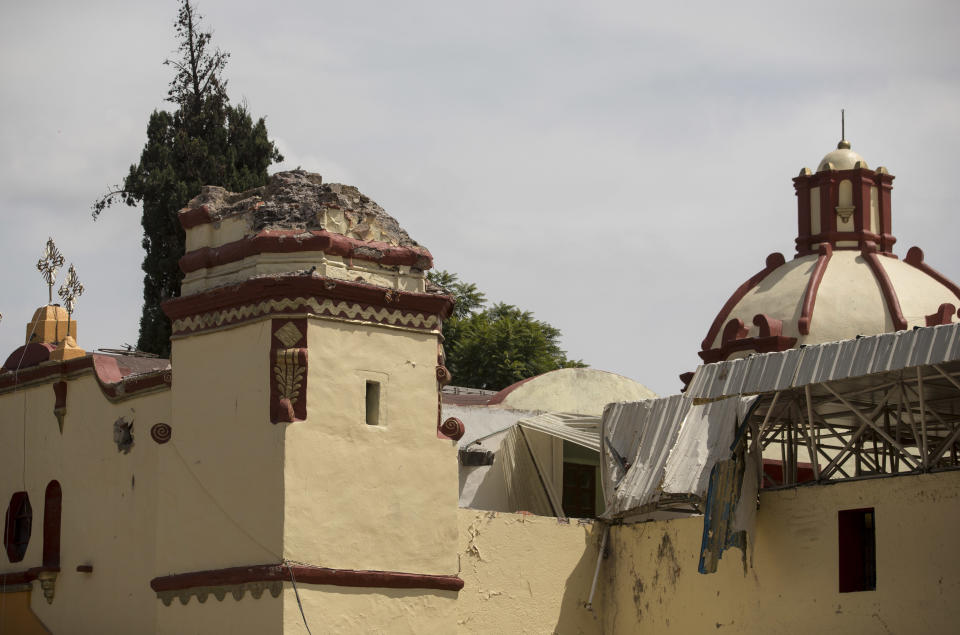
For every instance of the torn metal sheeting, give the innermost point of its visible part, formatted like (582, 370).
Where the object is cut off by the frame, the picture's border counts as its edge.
(661, 451)
(831, 361)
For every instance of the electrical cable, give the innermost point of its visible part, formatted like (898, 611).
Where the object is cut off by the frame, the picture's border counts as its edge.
(293, 581)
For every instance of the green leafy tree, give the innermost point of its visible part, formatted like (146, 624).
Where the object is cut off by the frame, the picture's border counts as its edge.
(205, 140)
(494, 347)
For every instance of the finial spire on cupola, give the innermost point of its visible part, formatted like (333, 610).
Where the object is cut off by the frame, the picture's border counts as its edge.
(844, 144)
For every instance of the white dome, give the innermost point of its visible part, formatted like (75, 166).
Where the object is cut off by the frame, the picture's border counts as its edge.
(843, 158)
(849, 301)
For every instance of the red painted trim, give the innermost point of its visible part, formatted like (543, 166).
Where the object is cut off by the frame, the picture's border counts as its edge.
(24, 577)
(52, 507)
(869, 254)
(293, 286)
(915, 259)
(306, 574)
(769, 327)
(734, 330)
(105, 369)
(194, 216)
(771, 344)
(943, 315)
(60, 395)
(28, 355)
(290, 241)
(774, 260)
(813, 285)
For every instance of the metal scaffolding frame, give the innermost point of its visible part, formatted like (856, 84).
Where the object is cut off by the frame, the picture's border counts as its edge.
(899, 422)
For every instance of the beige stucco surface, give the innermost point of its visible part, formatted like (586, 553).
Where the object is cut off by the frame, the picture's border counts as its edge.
(579, 390)
(109, 502)
(330, 609)
(221, 475)
(789, 582)
(370, 497)
(526, 574)
(849, 301)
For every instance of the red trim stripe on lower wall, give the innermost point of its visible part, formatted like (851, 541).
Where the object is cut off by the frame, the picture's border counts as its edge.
(306, 574)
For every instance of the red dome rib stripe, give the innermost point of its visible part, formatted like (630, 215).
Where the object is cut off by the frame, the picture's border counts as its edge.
(915, 259)
(774, 260)
(813, 285)
(869, 254)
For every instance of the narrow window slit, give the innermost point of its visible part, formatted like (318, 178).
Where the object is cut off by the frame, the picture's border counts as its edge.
(373, 403)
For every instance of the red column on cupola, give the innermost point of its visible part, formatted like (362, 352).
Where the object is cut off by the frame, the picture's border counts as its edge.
(844, 204)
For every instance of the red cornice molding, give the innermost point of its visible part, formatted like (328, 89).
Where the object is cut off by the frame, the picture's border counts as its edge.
(104, 367)
(290, 241)
(193, 216)
(306, 286)
(915, 259)
(813, 285)
(24, 577)
(774, 260)
(770, 344)
(869, 254)
(305, 574)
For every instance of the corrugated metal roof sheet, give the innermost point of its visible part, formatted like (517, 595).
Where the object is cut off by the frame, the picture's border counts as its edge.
(583, 430)
(827, 362)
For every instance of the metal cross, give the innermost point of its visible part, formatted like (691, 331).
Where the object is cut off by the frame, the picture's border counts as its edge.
(49, 265)
(70, 290)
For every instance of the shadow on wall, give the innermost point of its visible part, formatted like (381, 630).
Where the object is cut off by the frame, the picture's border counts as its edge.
(575, 616)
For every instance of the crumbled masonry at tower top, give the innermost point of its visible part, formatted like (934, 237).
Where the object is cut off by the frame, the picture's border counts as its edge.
(296, 199)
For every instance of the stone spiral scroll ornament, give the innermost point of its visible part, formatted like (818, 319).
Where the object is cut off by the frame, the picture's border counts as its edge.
(443, 375)
(452, 428)
(161, 433)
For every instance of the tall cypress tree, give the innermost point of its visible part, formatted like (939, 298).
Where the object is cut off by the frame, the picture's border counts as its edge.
(204, 141)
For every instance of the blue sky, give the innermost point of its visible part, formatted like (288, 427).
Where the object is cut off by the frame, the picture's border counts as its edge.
(618, 168)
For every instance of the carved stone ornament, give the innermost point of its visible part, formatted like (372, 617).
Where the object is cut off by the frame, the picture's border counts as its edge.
(123, 435)
(48, 583)
(161, 433)
(288, 371)
(452, 428)
(202, 593)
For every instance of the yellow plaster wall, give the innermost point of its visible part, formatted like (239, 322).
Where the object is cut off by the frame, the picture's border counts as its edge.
(16, 616)
(370, 497)
(221, 475)
(108, 516)
(331, 609)
(654, 587)
(526, 574)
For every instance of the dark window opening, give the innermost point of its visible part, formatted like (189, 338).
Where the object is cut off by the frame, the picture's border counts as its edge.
(373, 403)
(858, 550)
(52, 504)
(17, 526)
(579, 490)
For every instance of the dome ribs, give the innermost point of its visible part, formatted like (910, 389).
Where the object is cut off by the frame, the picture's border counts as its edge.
(813, 285)
(915, 259)
(774, 260)
(869, 253)
(943, 315)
